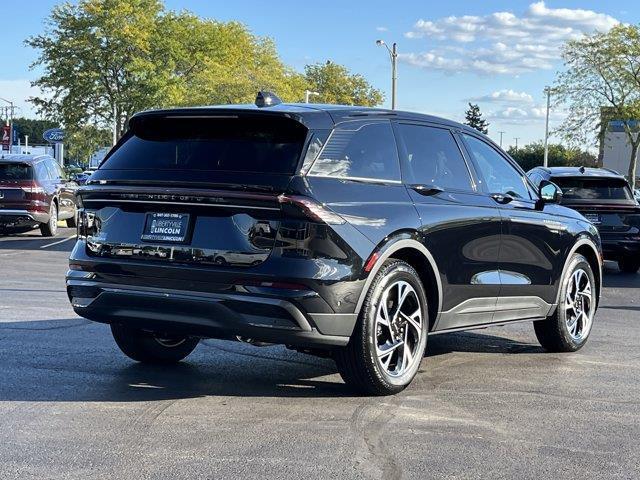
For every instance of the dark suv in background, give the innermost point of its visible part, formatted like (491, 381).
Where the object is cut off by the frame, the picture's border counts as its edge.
(35, 192)
(334, 230)
(605, 198)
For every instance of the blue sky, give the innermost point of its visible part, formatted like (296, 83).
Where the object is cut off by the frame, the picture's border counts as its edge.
(496, 53)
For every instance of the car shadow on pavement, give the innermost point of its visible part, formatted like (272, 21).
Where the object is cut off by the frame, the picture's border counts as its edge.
(76, 361)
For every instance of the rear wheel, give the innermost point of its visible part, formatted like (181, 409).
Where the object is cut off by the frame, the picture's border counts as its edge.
(148, 347)
(629, 264)
(50, 228)
(568, 329)
(388, 343)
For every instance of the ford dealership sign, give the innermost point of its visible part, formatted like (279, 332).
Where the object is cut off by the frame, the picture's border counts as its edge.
(54, 135)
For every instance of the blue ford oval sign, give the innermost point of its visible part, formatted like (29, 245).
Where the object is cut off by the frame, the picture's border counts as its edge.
(54, 135)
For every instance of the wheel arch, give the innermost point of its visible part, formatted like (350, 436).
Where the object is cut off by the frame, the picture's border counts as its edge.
(586, 247)
(408, 248)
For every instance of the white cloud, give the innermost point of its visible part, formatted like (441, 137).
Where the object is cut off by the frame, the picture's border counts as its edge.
(382, 29)
(504, 96)
(524, 115)
(502, 42)
(18, 91)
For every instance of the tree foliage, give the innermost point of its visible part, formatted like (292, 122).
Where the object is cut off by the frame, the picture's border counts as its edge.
(473, 118)
(602, 74)
(103, 60)
(335, 84)
(33, 128)
(532, 155)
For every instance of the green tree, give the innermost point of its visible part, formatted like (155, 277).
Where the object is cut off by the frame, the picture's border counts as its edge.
(602, 74)
(473, 118)
(335, 84)
(532, 155)
(33, 128)
(84, 141)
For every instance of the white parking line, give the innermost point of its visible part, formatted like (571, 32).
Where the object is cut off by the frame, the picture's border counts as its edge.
(58, 242)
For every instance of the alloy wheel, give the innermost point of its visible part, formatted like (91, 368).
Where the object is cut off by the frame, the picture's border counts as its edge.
(579, 305)
(398, 328)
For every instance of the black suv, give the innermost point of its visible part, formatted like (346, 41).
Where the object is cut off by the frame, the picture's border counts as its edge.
(35, 192)
(604, 197)
(331, 229)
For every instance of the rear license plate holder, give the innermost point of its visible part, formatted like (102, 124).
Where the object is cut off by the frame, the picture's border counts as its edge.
(166, 227)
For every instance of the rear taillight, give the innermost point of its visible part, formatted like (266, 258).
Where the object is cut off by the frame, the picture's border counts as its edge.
(32, 188)
(311, 209)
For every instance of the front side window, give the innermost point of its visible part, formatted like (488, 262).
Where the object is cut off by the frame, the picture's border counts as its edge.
(499, 175)
(360, 151)
(433, 158)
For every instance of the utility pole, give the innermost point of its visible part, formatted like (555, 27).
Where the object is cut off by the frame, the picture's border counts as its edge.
(309, 93)
(516, 139)
(393, 54)
(547, 90)
(115, 126)
(501, 132)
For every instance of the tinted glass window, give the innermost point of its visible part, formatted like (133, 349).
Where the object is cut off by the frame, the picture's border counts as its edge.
(55, 171)
(499, 175)
(576, 188)
(42, 172)
(248, 144)
(535, 178)
(434, 158)
(360, 150)
(14, 172)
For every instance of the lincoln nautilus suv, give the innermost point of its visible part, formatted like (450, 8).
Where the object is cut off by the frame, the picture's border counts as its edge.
(343, 231)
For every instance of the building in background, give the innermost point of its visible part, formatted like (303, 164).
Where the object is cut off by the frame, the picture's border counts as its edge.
(615, 149)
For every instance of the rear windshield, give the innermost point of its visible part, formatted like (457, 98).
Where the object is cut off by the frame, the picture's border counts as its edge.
(250, 144)
(15, 171)
(575, 188)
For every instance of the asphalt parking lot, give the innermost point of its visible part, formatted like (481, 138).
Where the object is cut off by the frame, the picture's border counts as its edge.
(486, 404)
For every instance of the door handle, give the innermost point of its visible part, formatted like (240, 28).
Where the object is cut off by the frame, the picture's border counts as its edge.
(501, 198)
(427, 190)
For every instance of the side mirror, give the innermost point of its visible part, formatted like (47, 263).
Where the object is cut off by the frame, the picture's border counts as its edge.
(550, 192)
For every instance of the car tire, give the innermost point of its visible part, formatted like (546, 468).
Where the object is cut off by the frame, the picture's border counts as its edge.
(396, 293)
(629, 264)
(568, 329)
(50, 228)
(147, 347)
(73, 221)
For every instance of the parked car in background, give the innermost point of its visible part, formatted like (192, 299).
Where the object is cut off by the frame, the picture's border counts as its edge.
(82, 177)
(604, 197)
(336, 230)
(35, 192)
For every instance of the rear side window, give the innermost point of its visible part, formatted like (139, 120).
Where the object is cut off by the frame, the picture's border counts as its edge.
(260, 144)
(15, 172)
(42, 172)
(360, 150)
(433, 158)
(577, 188)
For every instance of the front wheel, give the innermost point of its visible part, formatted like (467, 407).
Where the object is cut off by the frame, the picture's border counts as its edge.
(568, 329)
(147, 347)
(629, 264)
(389, 341)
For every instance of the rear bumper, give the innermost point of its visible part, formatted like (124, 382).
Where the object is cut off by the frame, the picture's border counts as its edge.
(614, 248)
(207, 314)
(21, 218)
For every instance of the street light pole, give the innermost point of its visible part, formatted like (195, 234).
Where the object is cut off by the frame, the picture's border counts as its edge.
(516, 139)
(501, 132)
(309, 93)
(547, 90)
(393, 54)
